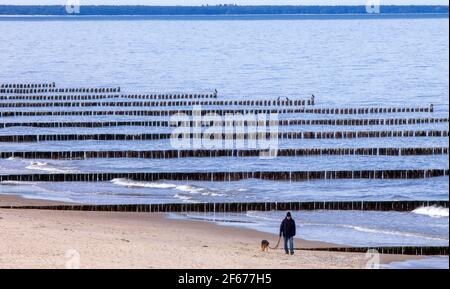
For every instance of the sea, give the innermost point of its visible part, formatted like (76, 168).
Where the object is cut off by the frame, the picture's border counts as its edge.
(344, 62)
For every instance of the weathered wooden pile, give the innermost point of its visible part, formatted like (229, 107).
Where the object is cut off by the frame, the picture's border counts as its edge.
(397, 206)
(245, 123)
(231, 176)
(170, 154)
(190, 112)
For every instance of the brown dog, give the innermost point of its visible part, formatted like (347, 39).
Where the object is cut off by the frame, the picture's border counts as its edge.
(264, 245)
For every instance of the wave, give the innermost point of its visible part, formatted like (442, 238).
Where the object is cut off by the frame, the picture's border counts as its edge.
(393, 233)
(193, 190)
(190, 189)
(16, 183)
(199, 191)
(212, 218)
(376, 231)
(433, 211)
(258, 215)
(137, 184)
(183, 198)
(41, 166)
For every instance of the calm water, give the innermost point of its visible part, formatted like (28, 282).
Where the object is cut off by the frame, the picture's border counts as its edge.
(343, 62)
(340, 61)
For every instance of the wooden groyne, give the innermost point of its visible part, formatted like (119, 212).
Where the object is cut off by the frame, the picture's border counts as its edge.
(224, 136)
(163, 103)
(27, 85)
(190, 112)
(169, 154)
(398, 206)
(399, 250)
(60, 97)
(170, 96)
(53, 89)
(285, 122)
(230, 176)
(66, 97)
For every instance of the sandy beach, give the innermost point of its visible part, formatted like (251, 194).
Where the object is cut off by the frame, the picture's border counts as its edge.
(58, 239)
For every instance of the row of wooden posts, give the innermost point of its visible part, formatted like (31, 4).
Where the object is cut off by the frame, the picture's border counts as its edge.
(59, 90)
(382, 206)
(224, 136)
(28, 85)
(398, 250)
(230, 176)
(65, 97)
(297, 102)
(23, 89)
(246, 123)
(190, 112)
(169, 154)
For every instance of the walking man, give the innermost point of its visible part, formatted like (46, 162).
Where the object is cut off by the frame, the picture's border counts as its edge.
(287, 230)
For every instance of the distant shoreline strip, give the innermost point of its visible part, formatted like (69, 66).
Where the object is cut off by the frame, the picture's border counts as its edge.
(267, 135)
(223, 10)
(231, 176)
(171, 154)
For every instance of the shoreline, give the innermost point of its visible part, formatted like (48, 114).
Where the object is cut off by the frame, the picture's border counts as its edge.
(19, 200)
(42, 239)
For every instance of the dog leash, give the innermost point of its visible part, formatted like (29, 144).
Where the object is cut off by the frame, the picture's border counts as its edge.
(276, 246)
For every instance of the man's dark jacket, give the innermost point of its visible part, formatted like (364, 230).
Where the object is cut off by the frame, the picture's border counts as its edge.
(287, 228)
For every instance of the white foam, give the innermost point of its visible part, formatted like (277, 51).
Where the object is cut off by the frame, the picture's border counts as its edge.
(40, 166)
(258, 215)
(190, 189)
(183, 198)
(187, 189)
(197, 190)
(394, 233)
(433, 211)
(16, 183)
(131, 183)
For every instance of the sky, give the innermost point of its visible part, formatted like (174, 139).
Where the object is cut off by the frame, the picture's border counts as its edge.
(214, 2)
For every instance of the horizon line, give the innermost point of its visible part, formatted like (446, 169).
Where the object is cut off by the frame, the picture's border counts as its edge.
(231, 5)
